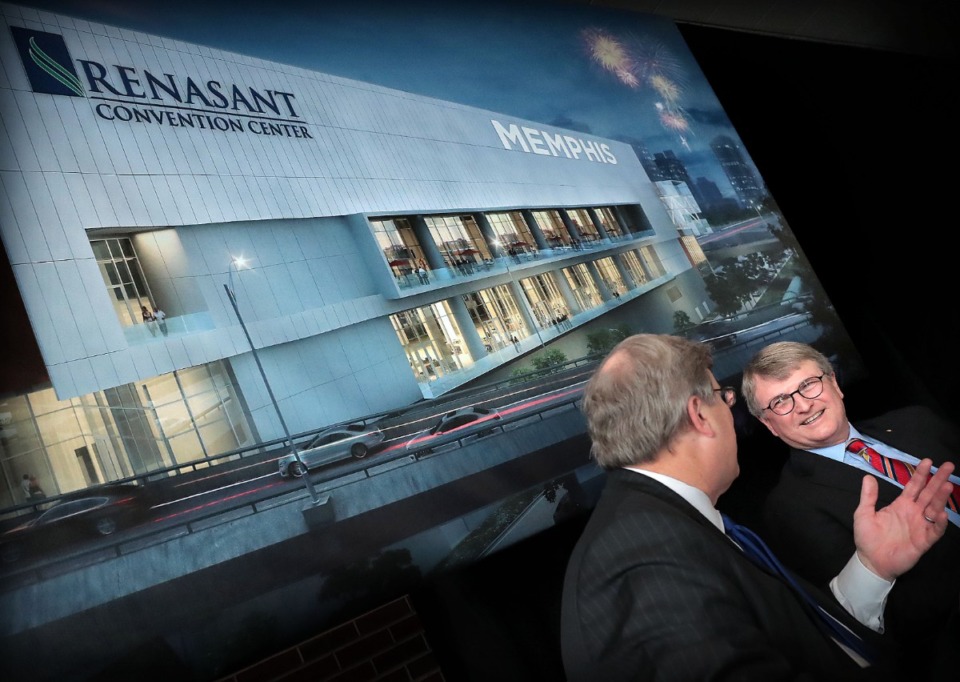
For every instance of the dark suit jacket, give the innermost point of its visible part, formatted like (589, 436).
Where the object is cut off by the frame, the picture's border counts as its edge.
(808, 521)
(654, 591)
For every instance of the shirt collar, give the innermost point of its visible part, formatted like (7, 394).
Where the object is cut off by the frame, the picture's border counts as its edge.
(696, 497)
(837, 452)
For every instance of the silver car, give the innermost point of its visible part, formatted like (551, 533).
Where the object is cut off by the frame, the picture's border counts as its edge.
(332, 445)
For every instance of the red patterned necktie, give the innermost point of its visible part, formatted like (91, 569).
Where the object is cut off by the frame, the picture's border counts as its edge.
(894, 468)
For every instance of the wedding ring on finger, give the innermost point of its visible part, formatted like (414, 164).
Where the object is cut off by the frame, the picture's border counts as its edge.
(928, 519)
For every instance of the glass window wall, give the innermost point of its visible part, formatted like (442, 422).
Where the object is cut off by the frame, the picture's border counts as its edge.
(116, 433)
(581, 219)
(546, 301)
(496, 316)
(551, 224)
(611, 276)
(399, 245)
(583, 287)
(631, 262)
(652, 261)
(512, 232)
(460, 242)
(432, 341)
(124, 278)
(609, 221)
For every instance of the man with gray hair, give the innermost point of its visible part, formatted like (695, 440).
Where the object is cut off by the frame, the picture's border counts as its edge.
(656, 589)
(793, 390)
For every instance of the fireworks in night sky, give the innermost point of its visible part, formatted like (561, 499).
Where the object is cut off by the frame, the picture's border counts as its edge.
(637, 63)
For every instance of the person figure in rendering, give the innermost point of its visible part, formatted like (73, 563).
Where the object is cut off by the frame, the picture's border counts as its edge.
(422, 274)
(31, 487)
(149, 319)
(655, 589)
(792, 389)
(36, 492)
(161, 319)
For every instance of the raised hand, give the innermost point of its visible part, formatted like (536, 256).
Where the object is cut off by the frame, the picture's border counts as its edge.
(891, 540)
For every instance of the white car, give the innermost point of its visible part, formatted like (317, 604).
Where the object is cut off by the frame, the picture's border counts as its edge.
(332, 445)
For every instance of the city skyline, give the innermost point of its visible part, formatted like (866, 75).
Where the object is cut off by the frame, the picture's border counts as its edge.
(621, 75)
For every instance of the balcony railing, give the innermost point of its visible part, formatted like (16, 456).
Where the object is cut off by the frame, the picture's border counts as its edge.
(504, 263)
(147, 332)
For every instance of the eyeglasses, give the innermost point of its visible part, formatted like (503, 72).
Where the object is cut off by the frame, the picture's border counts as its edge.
(808, 388)
(728, 393)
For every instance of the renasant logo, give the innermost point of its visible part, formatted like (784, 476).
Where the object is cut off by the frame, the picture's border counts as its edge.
(47, 62)
(127, 94)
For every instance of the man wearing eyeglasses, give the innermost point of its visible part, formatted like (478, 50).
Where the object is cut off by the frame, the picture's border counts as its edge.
(792, 389)
(662, 587)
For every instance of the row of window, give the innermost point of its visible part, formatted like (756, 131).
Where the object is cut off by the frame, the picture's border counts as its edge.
(461, 245)
(448, 335)
(464, 242)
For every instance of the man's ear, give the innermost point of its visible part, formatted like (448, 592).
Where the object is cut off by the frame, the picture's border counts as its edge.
(699, 419)
(836, 385)
(770, 427)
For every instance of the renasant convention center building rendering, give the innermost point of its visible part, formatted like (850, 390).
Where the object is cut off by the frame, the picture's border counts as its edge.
(379, 246)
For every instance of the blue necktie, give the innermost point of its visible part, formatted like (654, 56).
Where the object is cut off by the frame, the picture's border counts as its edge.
(757, 550)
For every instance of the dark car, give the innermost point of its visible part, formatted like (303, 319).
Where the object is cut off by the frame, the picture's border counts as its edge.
(452, 425)
(727, 340)
(92, 512)
(718, 335)
(332, 445)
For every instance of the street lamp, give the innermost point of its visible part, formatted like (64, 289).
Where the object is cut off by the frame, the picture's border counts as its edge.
(239, 262)
(506, 262)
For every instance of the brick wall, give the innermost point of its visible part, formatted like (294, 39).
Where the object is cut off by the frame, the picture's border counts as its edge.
(387, 644)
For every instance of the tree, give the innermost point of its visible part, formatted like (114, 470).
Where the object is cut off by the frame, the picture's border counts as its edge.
(754, 266)
(521, 375)
(724, 293)
(549, 361)
(602, 341)
(681, 321)
(550, 490)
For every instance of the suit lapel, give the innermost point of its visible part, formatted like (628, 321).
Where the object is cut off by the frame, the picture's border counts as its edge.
(828, 473)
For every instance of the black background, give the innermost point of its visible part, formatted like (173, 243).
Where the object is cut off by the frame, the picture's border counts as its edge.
(857, 147)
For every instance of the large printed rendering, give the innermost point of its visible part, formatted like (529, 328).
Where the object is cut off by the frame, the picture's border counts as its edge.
(314, 314)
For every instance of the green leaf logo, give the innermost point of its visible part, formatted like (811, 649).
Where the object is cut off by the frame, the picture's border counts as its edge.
(53, 69)
(47, 62)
